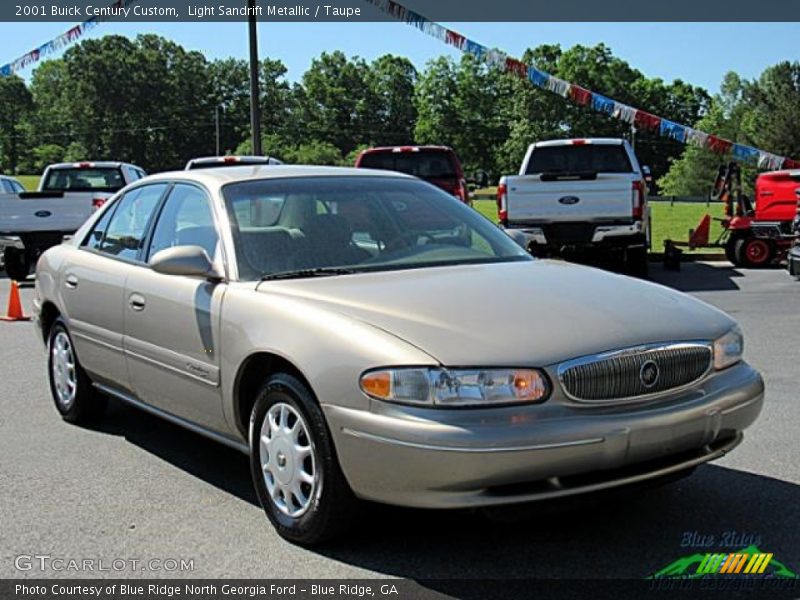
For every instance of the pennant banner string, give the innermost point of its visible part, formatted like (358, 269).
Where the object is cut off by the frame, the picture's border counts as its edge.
(638, 118)
(56, 44)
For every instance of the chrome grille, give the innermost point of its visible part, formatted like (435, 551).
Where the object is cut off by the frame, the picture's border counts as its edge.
(628, 374)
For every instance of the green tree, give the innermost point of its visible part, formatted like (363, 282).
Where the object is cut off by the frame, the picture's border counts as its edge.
(692, 173)
(15, 107)
(773, 104)
(392, 79)
(336, 104)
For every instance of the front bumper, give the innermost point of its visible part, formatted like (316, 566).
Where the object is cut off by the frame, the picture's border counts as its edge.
(450, 459)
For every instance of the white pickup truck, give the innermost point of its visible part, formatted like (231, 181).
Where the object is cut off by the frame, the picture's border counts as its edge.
(581, 194)
(32, 222)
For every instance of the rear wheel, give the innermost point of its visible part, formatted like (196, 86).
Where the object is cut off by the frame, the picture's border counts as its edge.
(75, 397)
(754, 252)
(17, 264)
(636, 262)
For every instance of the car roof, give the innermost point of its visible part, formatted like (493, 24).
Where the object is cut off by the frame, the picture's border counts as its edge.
(95, 164)
(407, 148)
(212, 160)
(570, 142)
(215, 178)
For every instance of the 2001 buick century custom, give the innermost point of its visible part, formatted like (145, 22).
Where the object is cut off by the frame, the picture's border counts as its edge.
(364, 335)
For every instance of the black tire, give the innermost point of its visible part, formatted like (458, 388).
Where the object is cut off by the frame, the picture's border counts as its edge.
(17, 264)
(636, 262)
(331, 505)
(754, 252)
(86, 404)
(730, 251)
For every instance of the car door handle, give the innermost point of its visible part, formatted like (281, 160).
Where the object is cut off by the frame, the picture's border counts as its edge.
(71, 282)
(136, 302)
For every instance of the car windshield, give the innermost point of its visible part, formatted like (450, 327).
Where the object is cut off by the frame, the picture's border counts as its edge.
(425, 164)
(331, 225)
(592, 158)
(80, 179)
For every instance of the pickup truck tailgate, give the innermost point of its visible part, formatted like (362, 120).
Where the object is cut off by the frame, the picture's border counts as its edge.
(64, 213)
(607, 197)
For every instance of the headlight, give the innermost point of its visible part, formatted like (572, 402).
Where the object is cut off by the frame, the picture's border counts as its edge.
(457, 387)
(728, 349)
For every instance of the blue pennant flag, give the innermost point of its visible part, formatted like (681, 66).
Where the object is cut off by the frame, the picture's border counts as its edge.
(673, 131)
(602, 104)
(537, 77)
(475, 49)
(745, 153)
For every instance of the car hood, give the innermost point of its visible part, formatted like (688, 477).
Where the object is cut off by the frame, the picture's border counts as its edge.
(532, 313)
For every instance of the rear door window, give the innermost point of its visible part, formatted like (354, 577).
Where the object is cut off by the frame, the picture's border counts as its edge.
(586, 158)
(128, 225)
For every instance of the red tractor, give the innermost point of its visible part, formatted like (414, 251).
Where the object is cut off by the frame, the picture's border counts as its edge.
(753, 234)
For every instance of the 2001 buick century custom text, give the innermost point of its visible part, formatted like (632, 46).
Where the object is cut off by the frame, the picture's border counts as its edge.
(363, 335)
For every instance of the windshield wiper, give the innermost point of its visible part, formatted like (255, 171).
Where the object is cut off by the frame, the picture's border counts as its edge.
(306, 273)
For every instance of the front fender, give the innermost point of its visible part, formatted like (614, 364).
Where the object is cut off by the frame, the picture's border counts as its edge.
(330, 349)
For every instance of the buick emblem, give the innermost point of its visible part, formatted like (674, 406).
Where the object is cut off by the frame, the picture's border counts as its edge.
(569, 200)
(42, 213)
(648, 374)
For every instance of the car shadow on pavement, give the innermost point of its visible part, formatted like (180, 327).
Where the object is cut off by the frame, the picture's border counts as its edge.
(627, 536)
(697, 277)
(219, 465)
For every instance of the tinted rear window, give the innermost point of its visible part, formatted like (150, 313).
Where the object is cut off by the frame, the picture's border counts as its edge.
(593, 158)
(84, 180)
(425, 165)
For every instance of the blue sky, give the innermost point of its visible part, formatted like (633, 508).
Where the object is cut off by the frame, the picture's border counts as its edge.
(699, 53)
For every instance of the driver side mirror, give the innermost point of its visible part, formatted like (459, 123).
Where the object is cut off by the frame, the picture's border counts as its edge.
(188, 261)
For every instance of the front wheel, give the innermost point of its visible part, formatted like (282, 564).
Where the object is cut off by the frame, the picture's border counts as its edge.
(17, 264)
(75, 397)
(754, 252)
(293, 463)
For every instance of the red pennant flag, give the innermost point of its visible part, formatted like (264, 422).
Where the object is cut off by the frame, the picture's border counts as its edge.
(455, 39)
(580, 95)
(790, 163)
(718, 145)
(517, 67)
(644, 120)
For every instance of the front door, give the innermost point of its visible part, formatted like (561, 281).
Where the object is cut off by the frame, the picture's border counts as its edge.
(172, 322)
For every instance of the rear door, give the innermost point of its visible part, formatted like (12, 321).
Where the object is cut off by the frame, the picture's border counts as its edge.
(587, 182)
(93, 283)
(172, 322)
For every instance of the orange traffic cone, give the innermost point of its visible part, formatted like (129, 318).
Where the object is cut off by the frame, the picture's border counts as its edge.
(14, 305)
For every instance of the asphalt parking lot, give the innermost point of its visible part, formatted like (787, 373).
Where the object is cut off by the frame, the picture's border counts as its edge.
(138, 488)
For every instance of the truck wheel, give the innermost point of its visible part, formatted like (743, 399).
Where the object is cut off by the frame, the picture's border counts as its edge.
(636, 262)
(17, 264)
(730, 251)
(754, 252)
